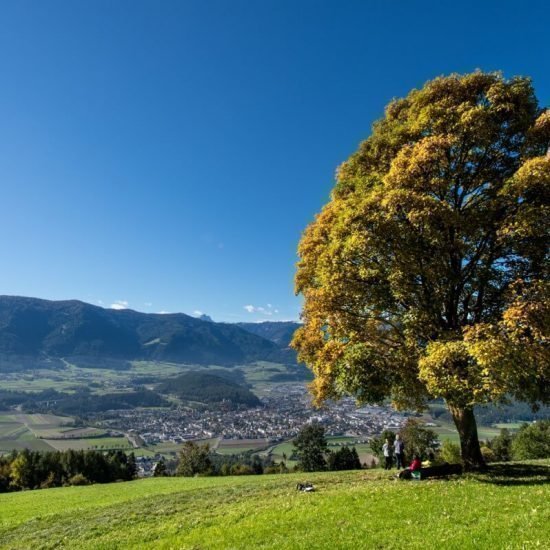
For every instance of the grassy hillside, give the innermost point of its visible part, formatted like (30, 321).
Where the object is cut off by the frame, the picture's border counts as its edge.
(506, 508)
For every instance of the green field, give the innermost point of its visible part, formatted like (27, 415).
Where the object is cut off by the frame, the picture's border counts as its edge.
(446, 430)
(108, 380)
(505, 508)
(238, 446)
(511, 426)
(48, 432)
(91, 443)
(168, 448)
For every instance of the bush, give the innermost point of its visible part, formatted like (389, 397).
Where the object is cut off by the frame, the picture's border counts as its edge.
(242, 470)
(49, 482)
(418, 439)
(488, 454)
(450, 452)
(502, 446)
(78, 479)
(532, 441)
(344, 459)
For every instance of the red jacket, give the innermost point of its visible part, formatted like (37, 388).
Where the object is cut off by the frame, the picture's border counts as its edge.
(415, 465)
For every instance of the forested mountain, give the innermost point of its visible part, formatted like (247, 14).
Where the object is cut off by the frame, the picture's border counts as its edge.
(32, 330)
(208, 388)
(280, 332)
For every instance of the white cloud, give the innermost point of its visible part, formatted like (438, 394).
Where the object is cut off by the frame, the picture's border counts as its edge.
(198, 313)
(100, 302)
(120, 304)
(264, 310)
(148, 304)
(163, 312)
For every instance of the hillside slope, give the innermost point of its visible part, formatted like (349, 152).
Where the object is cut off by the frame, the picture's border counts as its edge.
(31, 327)
(280, 332)
(504, 509)
(208, 388)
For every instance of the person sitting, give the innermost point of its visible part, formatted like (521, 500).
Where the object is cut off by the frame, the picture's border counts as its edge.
(415, 466)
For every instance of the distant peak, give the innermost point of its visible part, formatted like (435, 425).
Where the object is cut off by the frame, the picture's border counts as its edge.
(204, 317)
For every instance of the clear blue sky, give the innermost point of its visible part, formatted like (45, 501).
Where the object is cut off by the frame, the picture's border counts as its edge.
(167, 155)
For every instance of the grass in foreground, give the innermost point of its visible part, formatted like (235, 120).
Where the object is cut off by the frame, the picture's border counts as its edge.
(505, 508)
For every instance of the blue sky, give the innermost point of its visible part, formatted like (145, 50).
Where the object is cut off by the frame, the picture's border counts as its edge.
(166, 156)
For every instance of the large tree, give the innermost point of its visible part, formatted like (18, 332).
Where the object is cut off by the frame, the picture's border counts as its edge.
(426, 275)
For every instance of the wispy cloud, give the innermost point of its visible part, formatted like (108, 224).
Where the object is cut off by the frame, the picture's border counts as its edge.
(120, 304)
(198, 313)
(268, 309)
(147, 304)
(163, 312)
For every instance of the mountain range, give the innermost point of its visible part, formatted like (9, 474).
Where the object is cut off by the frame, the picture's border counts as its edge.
(36, 329)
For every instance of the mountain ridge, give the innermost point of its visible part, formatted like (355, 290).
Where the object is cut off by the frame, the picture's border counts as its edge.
(35, 327)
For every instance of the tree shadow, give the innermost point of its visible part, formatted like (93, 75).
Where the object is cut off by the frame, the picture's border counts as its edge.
(514, 473)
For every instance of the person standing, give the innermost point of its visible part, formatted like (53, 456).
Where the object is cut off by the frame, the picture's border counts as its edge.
(399, 449)
(387, 450)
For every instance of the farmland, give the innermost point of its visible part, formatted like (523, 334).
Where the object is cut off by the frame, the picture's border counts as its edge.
(48, 432)
(285, 408)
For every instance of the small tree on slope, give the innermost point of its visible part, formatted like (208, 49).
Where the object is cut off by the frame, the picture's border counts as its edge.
(311, 446)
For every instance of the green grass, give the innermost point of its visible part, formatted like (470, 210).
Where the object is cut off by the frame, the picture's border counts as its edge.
(95, 443)
(238, 446)
(511, 426)
(506, 508)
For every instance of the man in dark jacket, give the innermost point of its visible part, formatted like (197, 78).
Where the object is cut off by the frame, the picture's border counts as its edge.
(399, 448)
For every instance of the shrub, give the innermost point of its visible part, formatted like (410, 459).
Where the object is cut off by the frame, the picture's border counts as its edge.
(502, 446)
(488, 455)
(242, 470)
(532, 441)
(450, 452)
(344, 459)
(418, 439)
(78, 479)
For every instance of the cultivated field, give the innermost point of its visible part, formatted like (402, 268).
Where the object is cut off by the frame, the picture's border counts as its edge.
(237, 446)
(505, 508)
(48, 432)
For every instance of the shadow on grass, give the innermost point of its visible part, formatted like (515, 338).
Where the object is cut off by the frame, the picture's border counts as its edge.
(515, 473)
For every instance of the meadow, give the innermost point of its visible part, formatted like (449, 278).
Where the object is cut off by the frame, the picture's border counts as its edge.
(238, 446)
(504, 508)
(48, 432)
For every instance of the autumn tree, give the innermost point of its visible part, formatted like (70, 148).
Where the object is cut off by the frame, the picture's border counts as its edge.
(426, 274)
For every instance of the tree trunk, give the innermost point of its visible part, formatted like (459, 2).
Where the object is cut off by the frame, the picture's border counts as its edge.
(465, 423)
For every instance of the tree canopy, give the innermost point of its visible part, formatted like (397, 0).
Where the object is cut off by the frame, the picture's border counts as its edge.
(311, 446)
(426, 274)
